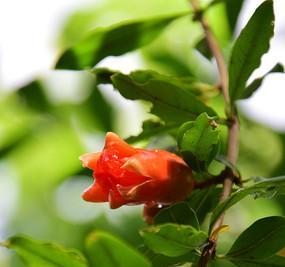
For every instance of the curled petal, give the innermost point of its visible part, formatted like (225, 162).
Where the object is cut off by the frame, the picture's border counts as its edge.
(89, 160)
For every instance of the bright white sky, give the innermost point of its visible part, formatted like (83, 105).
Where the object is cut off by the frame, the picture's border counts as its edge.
(28, 29)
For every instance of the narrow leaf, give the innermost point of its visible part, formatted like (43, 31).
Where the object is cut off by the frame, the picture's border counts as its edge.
(105, 250)
(265, 187)
(37, 253)
(248, 49)
(198, 141)
(113, 41)
(254, 85)
(261, 240)
(173, 240)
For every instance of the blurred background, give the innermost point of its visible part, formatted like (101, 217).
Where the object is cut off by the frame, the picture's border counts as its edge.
(48, 118)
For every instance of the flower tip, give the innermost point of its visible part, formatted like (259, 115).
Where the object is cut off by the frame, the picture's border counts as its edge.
(89, 160)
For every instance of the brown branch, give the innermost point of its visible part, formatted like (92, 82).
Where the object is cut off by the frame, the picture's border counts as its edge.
(215, 49)
(232, 153)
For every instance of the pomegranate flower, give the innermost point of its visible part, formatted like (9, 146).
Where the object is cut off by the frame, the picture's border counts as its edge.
(124, 175)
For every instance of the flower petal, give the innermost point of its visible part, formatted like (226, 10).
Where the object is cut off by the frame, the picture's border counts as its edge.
(89, 160)
(95, 193)
(113, 141)
(116, 200)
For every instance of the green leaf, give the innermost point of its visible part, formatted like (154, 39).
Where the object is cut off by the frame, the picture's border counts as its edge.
(198, 141)
(105, 250)
(261, 240)
(221, 263)
(266, 187)
(173, 240)
(180, 213)
(233, 9)
(113, 41)
(170, 102)
(274, 261)
(254, 85)
(248, 49)
(152, 128)
(193, 211)
(46, 254)
(34, 97)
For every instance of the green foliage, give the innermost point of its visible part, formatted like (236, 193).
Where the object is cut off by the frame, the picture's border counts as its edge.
(173, 240)
(254, 85)
(104, 250)
(266, 187)
(151, 128)
(170, 102)
(193, 211)
(41, 138)
(198, 141)
(109, 41)
(261, 240)
(248, 49)
(36, 253)
(258, 243)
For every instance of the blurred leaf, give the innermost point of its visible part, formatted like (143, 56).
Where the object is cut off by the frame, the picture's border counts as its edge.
(113, 41)
(173, 240)
(198, 141)
(266, 187)
(37, 253)
(105, 250)
(170, 102)
(254, 85)
(152, 128)
(34, 96)
(263, 239)
(98, 110)
(203, 48)
(248, 49)
(233, 9)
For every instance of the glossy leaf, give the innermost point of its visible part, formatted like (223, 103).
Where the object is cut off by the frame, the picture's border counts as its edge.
(105, 250)
(198, 141)
(173, 240)
(37, 253)
(254, 85)
(248, 49)
(113, 41)
(261, 240)
(266, 187)
(170, 102)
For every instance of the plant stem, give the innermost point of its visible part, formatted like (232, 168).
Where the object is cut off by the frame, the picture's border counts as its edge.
(232, 153)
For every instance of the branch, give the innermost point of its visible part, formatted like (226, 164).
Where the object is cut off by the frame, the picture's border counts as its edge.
(232, 153)
(215, 49)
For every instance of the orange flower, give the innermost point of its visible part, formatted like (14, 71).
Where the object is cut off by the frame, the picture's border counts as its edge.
(128, 176)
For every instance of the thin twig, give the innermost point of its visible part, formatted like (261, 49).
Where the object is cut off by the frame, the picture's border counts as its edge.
(232, 153)
(215, 49)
